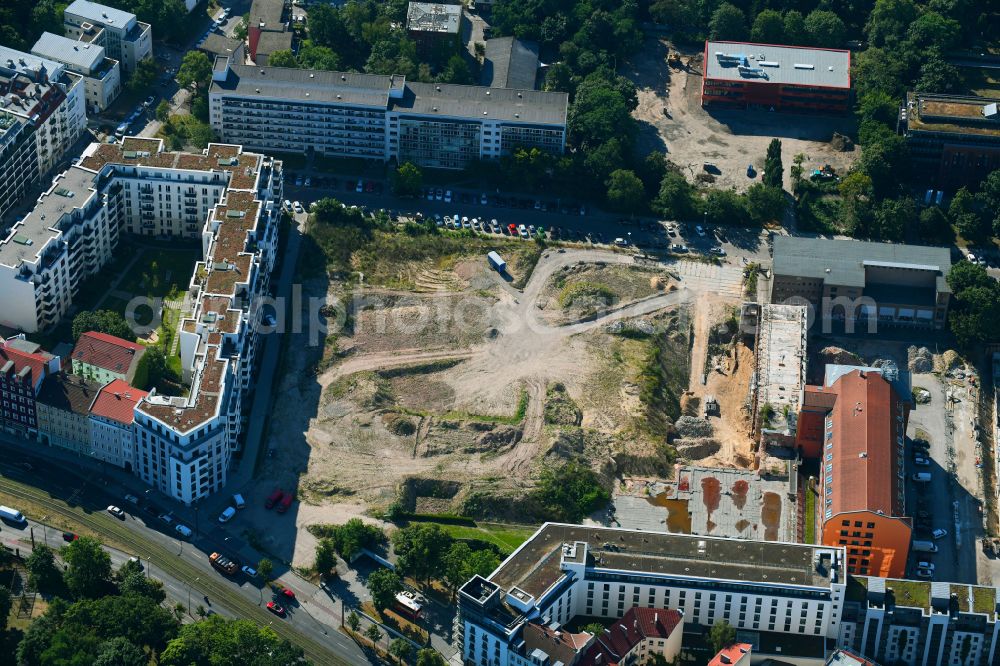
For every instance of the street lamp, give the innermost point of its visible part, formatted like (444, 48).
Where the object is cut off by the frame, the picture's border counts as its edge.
(189, 594)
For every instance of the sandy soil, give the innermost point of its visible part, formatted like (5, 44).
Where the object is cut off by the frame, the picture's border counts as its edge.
(673, 120)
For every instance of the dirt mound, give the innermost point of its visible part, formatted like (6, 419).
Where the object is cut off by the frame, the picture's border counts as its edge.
(399, 425)
(693, 427)
(658, 283)
(560, 409)
(496, 439)
(947, 361)
(919, 359)
(838, 356)
(841, 142)
(696, 449)
(568, 443)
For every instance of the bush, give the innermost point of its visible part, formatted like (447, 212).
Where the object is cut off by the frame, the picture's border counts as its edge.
(570, 492)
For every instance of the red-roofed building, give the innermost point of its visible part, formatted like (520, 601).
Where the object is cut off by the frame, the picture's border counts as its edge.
(737, 654)
(640, 633)
(104, 358)
(23, 367)
(111, 418)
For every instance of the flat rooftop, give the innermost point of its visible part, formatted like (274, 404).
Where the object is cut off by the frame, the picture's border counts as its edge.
(371, 90)
(80, 55)
(843, 262)
(510, 63)
(434, 17)
(781, 361)
(535, 566)
(28, 63)
(746, 61)
(951, 114)
(507, 104)
(100, 14)
(267, 14)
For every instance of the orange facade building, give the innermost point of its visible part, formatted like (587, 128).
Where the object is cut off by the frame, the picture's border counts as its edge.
(856, 426)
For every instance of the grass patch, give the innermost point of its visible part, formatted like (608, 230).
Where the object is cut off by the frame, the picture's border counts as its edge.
(662, 380)
(161, 273)
(367, 389)
(505, 537)
(911, 593)
(810, 517)
(560, 409)
(420, 368)
(984, 599)
(586, 291)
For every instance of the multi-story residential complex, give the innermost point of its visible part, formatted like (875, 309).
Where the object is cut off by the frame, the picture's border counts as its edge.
(111, 423)
(859, 283)
(49, 97)
(378, 117)
(18, 159)
(101, 75)
(124, 38)
(428, 23)
(780, 374)
(776, 78)
(63, 406)
(792, 603)
(23, 368)
(268, 30)
(105, 358)
(855, 425)
(953, 141)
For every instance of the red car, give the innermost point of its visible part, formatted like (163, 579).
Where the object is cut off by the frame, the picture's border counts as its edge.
(286, 502)
(274, 498)
(512, 229)
(288, 593)
(69, 536)
(276, 608)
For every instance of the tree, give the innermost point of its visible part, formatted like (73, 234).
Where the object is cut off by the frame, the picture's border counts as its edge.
(6, 603)
(651, 171)
(326, 558)
(597, 113)
(878, 106)
(968, 222)
(569, 492)
(889, 20)
(457, 71)
(797, 171)
(856, 201)
(119, 651)
(282, 58)
(163, 111)
(725, 207)
(935, 227)
(721, 635)
(88, 572)
(595, 628)
(135, 583)
(195, 70)
(773, 170)
(373, 633)
(152, 368)
(430, 657)
(401, 649)
(143, 76)
(215, 640)
(989, 197)
(420, 549)
(354, 535)
(676, 199)
(727, 22)
(768, 27)
(765, 204)
(826, 29)
(795, 28)
(42, 571)
(407, 180)
(931, 30)
(937, 75)
(626, 192)
(353, 621)
(384, 585)
(265, 568)
(891, 218)
(101, 321)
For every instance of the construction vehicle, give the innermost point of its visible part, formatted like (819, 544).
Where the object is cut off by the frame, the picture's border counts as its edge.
(711, 406)
(827, 172)
(674, 60)
(223, 564)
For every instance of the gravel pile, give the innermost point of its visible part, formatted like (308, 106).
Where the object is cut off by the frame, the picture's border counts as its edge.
(919, 359)
(692, 427)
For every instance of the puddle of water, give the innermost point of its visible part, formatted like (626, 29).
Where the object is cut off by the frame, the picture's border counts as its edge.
(711, 491)
(678, 517)
(770, 514)
(741, 525)
(739, 490)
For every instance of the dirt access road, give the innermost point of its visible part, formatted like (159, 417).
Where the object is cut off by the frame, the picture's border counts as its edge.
(672, 120)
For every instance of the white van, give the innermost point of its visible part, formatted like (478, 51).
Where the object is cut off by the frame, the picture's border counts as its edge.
(12, 515)
(238, 501)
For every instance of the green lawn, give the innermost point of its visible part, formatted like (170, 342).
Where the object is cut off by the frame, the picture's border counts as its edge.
(506, 537)
(984, 599)
(913, 593)
(160, 271)
(810, 517)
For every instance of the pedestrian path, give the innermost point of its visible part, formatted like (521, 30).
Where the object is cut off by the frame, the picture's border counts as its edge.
(725, 280)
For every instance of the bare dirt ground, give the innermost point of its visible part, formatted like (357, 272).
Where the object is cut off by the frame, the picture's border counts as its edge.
(451, 384)
(673, 120)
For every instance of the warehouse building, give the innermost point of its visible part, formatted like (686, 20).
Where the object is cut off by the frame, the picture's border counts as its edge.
(862, 284)
(344, 114)
(101, 75)
(776, 78)
(953, 141)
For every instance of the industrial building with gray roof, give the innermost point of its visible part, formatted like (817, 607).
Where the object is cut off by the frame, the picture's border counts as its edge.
(740, 61)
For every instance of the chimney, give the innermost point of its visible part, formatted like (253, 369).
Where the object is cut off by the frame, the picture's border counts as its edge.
(724, 658)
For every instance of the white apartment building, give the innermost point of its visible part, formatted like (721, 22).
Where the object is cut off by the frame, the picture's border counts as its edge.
(111, 423)
(101, 75)
(125, 39)
(45, 93)
(380, 117)
(18, 159)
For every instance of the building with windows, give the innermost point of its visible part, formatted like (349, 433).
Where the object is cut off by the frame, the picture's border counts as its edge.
(377, 117)
(64, 412)
(268, 29)
(47, 96)
(737, 654)
(23, 368)
(101, 75)
(428, 23)
(792, 603)
(18, 159)
(123, 37)
(953, 140)
(112, 416)
(776, 78)
(104, 358)
(641, 633)
(860, 283)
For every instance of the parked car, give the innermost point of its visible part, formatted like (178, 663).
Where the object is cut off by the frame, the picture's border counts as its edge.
(308, 182)
(273, 498)
(227, 515)
(939, 533)
(287, 593)
(926, 565)
(69, 536)
(360, 187)
(149, 101)
(677, 247)
(286, 502)
(447, 196)
(249, 571)
(699, 230)
(298, 181)
(924, 573)
(183, 530)
(921, 461)
(116, 512)
(439, 194)
(276, 608)
(718, 251)
(131, 499)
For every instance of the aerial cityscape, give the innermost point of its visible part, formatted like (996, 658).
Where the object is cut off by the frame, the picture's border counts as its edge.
(499, 333)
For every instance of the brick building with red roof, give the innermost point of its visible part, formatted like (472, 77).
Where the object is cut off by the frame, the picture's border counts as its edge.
(104, 358)
(111, 418)
(23, 367)
(856, 425)
(637, 635)
(737, 654)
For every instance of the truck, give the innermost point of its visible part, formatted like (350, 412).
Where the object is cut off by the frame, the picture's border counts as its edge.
(925, 546)
(223, 564)
(11, 515)
(286, 502)
(497, 262)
